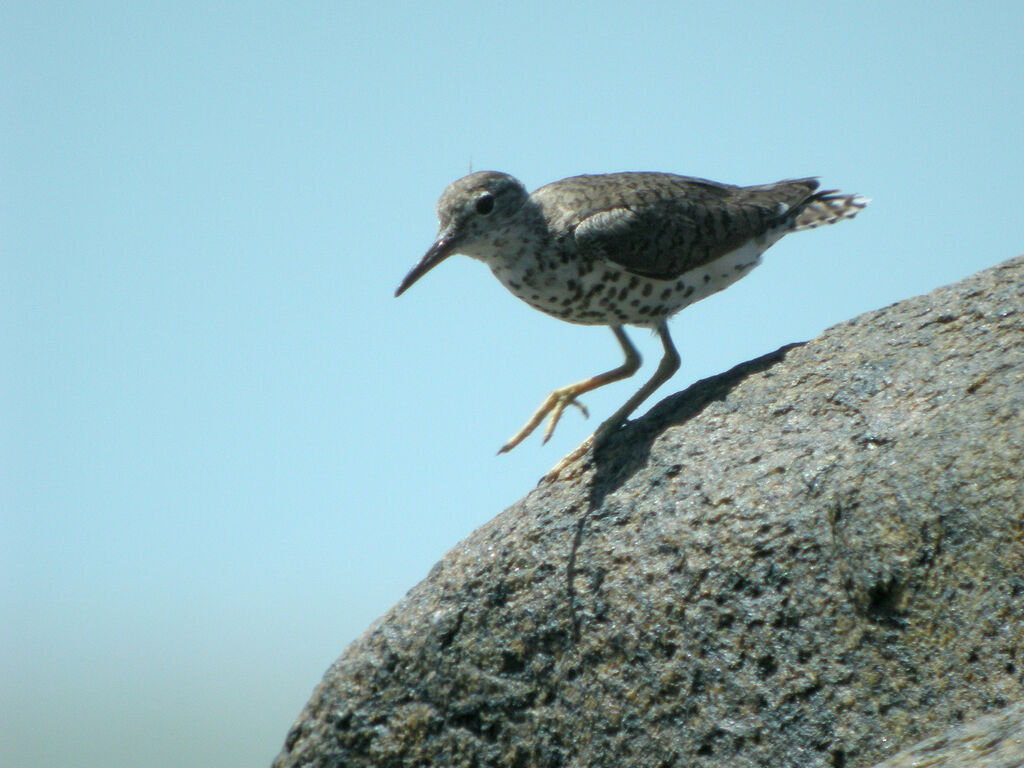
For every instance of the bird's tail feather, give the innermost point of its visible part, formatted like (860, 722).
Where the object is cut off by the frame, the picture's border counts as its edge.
(827, 208)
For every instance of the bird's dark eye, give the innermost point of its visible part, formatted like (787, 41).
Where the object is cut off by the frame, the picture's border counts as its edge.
(485, 204)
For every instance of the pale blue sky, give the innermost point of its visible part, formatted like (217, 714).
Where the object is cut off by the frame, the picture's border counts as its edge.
(226, 448)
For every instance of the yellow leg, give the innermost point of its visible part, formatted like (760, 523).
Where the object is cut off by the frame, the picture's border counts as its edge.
(557, 401)
(666, 368)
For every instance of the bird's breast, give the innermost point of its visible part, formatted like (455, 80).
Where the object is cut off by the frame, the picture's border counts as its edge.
(598, 292)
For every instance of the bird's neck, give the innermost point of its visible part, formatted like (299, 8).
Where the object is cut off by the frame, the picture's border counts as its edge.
(523, 237)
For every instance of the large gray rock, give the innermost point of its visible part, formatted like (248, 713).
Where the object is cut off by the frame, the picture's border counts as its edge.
(812, 560)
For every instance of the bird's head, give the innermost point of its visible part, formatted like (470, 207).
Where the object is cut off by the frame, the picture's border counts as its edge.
(472, 214)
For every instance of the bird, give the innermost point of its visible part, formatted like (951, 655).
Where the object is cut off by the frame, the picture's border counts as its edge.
(620, 249)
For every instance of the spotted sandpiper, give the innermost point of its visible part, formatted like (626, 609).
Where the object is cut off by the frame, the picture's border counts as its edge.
(620, 249)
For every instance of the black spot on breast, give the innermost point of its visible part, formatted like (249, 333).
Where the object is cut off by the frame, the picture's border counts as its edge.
(647, 289)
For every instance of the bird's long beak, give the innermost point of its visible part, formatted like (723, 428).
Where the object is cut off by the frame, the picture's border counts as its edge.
(439, 251)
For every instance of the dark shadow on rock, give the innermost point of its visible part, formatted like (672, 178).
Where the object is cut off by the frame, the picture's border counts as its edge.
(620, 454)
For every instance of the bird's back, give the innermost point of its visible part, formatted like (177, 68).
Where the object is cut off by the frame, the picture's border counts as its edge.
(662, 225)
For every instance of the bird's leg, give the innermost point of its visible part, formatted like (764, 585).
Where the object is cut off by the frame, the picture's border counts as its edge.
(557, 401)
(666, 369)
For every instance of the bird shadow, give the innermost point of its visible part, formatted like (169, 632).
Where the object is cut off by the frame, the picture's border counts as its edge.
(619, 455)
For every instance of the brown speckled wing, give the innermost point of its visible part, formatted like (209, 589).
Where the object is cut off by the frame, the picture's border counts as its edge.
(662, 225)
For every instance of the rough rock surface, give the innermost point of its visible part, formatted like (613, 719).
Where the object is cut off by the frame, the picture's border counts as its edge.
(814, 559)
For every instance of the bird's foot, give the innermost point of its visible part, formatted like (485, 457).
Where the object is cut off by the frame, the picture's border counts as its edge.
(554, 404)
(569, 466)
(572, 464)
